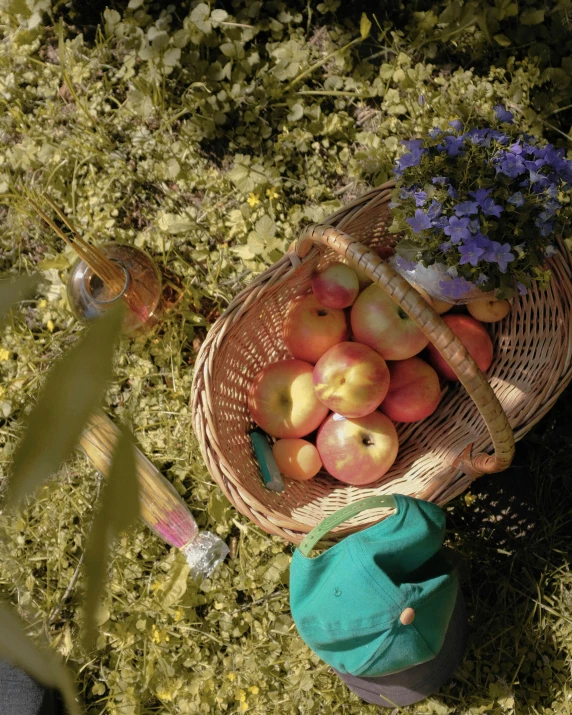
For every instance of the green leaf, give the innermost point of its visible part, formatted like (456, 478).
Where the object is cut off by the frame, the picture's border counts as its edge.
(296, 113)
(73, 390)
(41, 663)
(532, 17)
(200, 16)
(174, 224)
(171, 57)
(59, 262)
(408, 249)
(502, 40)
(176, 587)
(219, 15)
(218, 507)
(265, 227)
(13, 291)
(118, 510)
(364, 26)
(241, 178)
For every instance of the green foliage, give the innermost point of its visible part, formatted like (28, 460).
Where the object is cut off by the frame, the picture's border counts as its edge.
(491, 32)
(208, 137)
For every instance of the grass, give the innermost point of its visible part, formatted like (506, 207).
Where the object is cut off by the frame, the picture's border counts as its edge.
(214, 176)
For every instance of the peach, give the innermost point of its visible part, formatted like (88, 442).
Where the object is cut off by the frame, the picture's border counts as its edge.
(282, 401)
(336, 286)
(297, 458)
(439, 306)
(414, 391)
(379, 322)
(489, 311)
(473, 336)
(310, 329)
(351, 379)
(358, 451)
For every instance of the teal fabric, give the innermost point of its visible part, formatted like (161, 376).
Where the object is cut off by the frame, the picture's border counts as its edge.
(346, 602)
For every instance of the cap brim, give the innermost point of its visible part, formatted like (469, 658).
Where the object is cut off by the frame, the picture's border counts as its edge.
(417, 683)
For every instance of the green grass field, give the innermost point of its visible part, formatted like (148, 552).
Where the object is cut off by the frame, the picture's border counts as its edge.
(209, 136)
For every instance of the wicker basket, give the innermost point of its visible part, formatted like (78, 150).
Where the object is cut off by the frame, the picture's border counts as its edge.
(471, 433)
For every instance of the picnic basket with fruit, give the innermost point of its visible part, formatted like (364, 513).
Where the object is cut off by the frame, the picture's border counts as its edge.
(369, 379)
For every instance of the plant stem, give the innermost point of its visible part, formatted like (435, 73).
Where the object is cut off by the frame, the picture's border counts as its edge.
(321, 62)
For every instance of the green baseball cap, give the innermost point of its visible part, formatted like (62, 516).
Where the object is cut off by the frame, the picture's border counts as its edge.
(380, 601)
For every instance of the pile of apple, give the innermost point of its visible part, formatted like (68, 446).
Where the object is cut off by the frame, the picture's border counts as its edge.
(355, 370)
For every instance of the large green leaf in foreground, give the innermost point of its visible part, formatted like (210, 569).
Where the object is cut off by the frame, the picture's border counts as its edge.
(72, 392)
(12, 291)
(41, 663)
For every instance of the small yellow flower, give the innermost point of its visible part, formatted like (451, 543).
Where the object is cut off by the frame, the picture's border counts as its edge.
(4, 355)
(254, 689)
(164, 695)
(272, 193)
(159, 636)
(253, 199)
(50, 325)
(470, 498)
(243, 706)
(179, 614)
(42, 303)
(231, 676)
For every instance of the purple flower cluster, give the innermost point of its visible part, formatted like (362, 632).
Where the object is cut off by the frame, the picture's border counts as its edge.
(468, 217)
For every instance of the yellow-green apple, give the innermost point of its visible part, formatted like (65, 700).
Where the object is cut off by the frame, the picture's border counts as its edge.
(336, 286)
(414, 390)
(297, 458)
(379, 322)
(489, 311)
(310, 329)
(282, 401)
(474, 337)
(351, 379)
(439, 306)
(358, 451)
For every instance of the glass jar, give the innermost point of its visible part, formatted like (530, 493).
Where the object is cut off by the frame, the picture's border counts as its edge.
(89, 297)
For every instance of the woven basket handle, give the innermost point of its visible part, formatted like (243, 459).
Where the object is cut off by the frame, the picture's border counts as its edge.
(438, 332)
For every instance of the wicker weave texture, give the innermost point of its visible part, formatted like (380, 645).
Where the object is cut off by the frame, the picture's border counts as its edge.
(532, 365)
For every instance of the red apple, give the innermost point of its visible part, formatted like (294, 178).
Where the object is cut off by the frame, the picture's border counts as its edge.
(379, 322)
(473, 336)
(414, 391)
(310, 329)
(358, 451)
(351, 379)
(336, 286)
(489, 311)
(282, 401)
(297, 458)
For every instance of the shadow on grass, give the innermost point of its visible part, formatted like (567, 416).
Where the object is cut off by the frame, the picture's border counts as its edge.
(516, 542)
